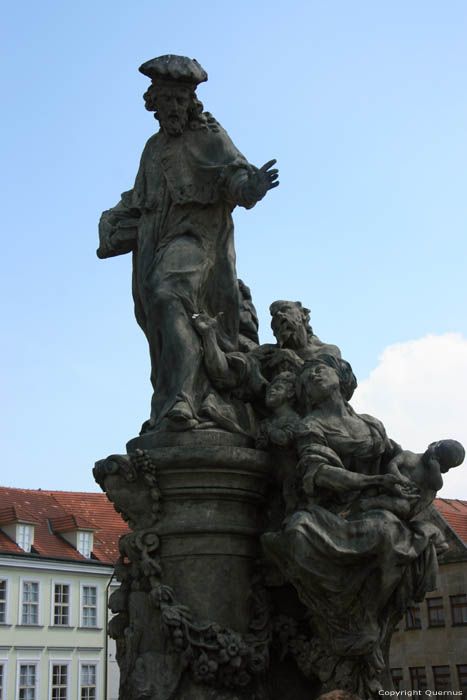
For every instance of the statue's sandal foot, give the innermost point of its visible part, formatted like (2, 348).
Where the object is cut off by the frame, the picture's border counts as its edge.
(180, 417)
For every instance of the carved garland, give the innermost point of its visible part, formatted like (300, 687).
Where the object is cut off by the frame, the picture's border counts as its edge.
(215, 655)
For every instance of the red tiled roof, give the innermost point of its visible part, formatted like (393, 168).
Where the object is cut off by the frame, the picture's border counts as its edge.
(83, 510)
(68, 523)
(7, 545)
(455, 512)
(16, 513)
(96, 509)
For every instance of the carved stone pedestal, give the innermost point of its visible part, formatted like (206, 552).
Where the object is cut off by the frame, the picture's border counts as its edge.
(191, 623)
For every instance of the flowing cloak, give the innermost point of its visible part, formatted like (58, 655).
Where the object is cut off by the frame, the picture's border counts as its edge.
(177, 221)
(346, 568)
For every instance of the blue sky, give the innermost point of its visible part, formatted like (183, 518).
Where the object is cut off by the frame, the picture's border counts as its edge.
(364, 106)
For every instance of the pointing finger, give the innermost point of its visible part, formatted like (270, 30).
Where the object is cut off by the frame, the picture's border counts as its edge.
(269, 164)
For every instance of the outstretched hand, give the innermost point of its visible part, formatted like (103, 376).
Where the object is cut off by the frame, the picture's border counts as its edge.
(260, 180)
(203, 323)
(399, 486)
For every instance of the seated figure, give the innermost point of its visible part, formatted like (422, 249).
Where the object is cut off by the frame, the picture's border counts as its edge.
(353, 570)
(285, 428)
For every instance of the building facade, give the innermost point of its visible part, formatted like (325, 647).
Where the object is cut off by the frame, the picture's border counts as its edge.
(429, 650)
(57, 555)
(57, 552)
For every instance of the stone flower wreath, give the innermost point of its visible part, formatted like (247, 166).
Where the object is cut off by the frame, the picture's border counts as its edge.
(216, 655)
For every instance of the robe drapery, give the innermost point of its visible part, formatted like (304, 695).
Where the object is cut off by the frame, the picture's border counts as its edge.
(177, 221)
(347, 565)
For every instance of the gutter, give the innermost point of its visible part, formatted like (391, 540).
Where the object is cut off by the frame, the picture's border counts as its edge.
(33, 556)
(106, 640)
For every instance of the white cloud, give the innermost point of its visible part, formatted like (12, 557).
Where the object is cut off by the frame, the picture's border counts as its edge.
(419, 391)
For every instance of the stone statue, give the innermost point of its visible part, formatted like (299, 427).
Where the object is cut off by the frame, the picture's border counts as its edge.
(422, 478)
(177, 221)
(276, 536)
(245, 374)
(296, 341)
(349, 539)
(248, 338)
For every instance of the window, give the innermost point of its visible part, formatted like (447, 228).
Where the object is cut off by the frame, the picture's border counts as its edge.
(59, 685)
(418, 678)
(89, 606)
(412, 618)
(27, 682)
(442, 677)
(397, 678)
(435, 612)
(3, 600)
(30, 603)
(84, 544)
(88, 687)
(462, 676)
(61, 604)
(2, 681)
(25, 537)
(459, 609)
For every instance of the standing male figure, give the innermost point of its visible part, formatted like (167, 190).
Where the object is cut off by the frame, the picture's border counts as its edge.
(177, 221)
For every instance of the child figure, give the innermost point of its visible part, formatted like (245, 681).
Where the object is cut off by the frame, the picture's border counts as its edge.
(281, 428)
(422, 476)
(279, 433)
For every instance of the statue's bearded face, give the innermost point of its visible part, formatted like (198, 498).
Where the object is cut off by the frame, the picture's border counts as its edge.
(288, 326)
(171, 104)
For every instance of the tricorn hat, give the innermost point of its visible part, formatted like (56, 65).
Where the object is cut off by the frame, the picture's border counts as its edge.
(174, 69)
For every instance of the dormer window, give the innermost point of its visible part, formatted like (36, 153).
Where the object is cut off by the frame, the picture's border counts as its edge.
(85, 543)
(18, 524)
(76, 530)
(25, 537)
